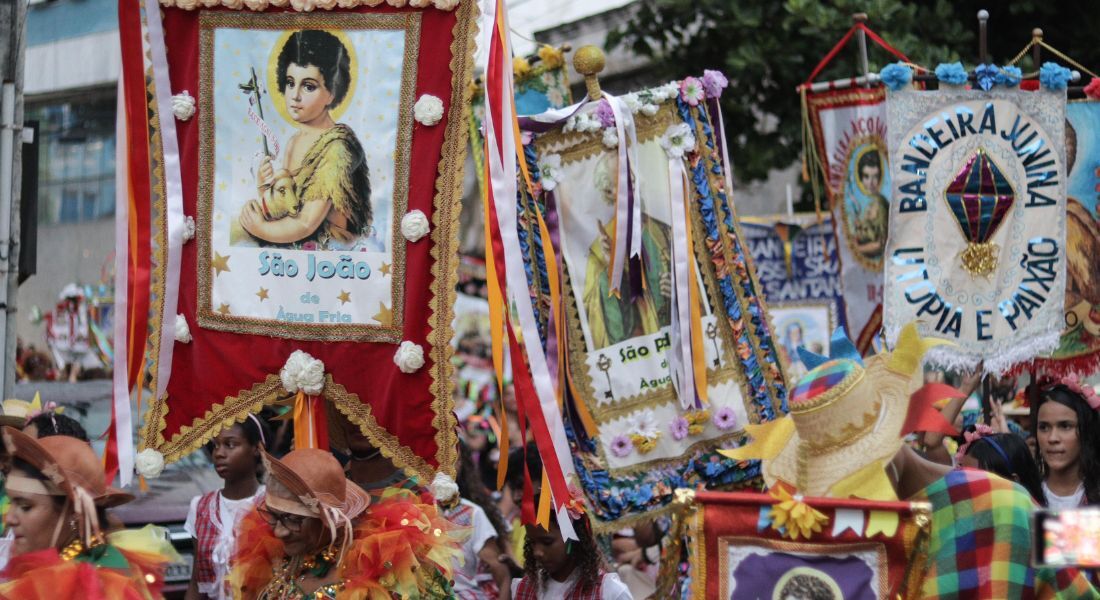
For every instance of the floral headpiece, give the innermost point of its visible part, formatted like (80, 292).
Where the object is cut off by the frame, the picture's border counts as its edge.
(1074, 384)
(981, 432)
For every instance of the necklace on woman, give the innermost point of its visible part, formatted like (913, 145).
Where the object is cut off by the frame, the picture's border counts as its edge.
(286, 583)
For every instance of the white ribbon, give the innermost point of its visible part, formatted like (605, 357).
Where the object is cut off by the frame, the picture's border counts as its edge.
(503, 181)
(121, 378)
(173, 190)
(679, 358)
(264, 128)
(627, 156)
(847, 518)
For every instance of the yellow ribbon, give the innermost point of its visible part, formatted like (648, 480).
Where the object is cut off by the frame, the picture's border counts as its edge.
(884, 522)
(768, 440)
(543, 517)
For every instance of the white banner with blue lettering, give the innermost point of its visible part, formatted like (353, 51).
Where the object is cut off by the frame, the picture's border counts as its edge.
(976, 251)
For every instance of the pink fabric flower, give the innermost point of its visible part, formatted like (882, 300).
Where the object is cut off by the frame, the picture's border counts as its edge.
(725, 418)
(621, 446)
(605, 115)
(714, 82)
(1092, 90)
(691, 91)
(1086, 391)
(678, 428)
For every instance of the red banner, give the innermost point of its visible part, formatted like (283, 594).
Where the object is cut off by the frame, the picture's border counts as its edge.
(340, 242)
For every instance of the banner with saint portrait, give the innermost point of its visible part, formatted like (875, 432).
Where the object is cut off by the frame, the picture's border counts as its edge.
(306, 172)
(640, 431)
(978, 226)
(797, 264)
(1079, 347)
(849, 130)
(862, 550)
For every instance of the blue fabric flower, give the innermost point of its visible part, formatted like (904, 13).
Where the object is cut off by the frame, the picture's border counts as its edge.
(896, 76)
(1009, 76)
(986, 76)
(1054, 76)
(951, 73)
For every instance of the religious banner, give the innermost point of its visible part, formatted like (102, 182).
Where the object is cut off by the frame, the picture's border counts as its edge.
(849, 130)
(688, 308)
(796, 262)
(307, 173)
(978, 226)
(857, 550)
(1079, 348)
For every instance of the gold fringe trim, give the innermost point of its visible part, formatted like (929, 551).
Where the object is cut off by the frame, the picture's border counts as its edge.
(309, 5)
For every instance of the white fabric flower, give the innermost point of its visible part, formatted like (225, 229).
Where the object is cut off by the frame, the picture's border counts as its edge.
(149, 463)
(633, 103)
(187, 4)
(446, 4)
(188, 229)
(233, 4)
(645, 424)
(409, 357)
(256, 4)
(303, 5)
(678, 140)
(183, 332)
(414, 225)
(443, 487)
(397, 3)
(428, 110)
(326, 4)
(279, 3)
(373, 3)
(549, 171)
(610, 138)
(347, 3)
(650, 109)
(210, 3)
(420, 3)
(303, 372)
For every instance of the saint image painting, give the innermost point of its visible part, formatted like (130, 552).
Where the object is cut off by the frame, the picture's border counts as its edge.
(866, 210)
(305, 142)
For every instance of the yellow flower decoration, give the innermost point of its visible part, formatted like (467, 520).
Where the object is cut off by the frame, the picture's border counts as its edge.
(644, 444)
(697, 421)
(800, 519)
(551, 57)
(520, 66)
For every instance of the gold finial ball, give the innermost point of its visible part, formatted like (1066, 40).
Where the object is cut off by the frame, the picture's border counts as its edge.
(589, 60)
(1037, 33)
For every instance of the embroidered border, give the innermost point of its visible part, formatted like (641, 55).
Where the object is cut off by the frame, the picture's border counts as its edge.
(206, 316)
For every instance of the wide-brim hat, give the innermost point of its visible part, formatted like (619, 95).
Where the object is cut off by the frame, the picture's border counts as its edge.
(317, 481)
(846, 422)
(68, 462)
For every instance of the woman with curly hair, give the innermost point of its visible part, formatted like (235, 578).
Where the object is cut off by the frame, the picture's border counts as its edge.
(568, 570)
(1066, 425)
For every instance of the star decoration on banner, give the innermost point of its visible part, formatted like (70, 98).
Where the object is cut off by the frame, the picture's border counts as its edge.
(224, 309)
(384, 269)
(220, 263)
(385, 315)
(262, 294)
(344, 297)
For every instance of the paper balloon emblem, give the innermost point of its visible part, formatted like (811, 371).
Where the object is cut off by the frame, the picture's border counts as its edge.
(980, 196)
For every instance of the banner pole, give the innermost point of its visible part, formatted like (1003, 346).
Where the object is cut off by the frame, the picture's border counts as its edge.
(861, 37)
(983, 26)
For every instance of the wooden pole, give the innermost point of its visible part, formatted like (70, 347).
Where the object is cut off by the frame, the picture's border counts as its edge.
(983, 46)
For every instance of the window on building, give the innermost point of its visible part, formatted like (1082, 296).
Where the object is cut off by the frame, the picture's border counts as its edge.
(76, 161)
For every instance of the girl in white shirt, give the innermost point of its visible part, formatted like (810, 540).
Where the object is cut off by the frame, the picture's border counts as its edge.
(565, 570)
(1066, 426)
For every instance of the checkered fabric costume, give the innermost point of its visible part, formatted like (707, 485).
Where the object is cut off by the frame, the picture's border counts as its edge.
(527, 590)
(980, 543)
(207, 527)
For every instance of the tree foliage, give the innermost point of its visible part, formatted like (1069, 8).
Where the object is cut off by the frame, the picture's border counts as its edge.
(768, 47)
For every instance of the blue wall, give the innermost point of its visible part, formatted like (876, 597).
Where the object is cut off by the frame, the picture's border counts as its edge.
(58, 20)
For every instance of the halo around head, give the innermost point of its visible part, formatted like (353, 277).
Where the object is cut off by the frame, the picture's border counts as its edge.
(275, 88)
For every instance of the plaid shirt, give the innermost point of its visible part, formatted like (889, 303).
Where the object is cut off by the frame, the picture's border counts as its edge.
(207, 526)
(980, 543)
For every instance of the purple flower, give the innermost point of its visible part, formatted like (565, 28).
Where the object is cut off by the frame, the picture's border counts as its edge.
(621, 446)
(526, 137)
(679, 428)
(605, 115)
(714, 82)
(725, 419)
(691, 91)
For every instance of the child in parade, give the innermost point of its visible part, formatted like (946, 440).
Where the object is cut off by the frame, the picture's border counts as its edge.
(1066, 425)
(50, 422)
(212, 518)
(566, 570)
(1004, 454)
(481, 575)
(58, 499)
(318, 535)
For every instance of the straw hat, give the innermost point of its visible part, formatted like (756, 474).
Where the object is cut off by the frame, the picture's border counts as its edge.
(845, 423)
